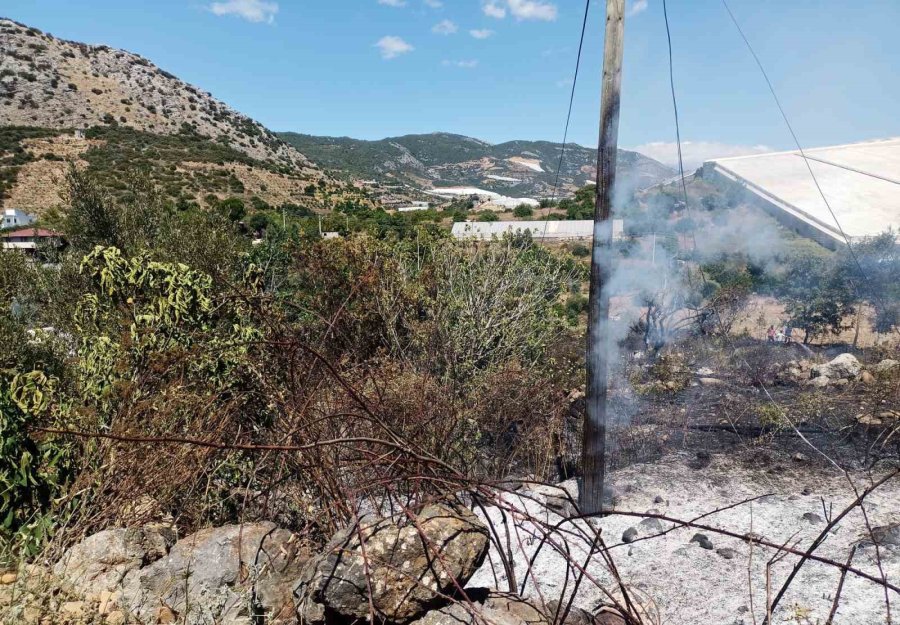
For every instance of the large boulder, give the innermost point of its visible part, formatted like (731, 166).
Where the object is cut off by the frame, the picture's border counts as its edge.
(486, 606)
(232, 575)
(399, 571)
(843, 366)
(100, 562)
(887, 365)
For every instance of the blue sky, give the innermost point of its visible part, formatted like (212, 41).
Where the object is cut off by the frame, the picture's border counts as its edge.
(501, 69)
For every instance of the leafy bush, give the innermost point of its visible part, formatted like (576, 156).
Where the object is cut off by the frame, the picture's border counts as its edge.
(522, 211)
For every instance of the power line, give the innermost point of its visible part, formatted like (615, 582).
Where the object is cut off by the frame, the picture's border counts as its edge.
(587, 7)
(806, 160)
(675, 105)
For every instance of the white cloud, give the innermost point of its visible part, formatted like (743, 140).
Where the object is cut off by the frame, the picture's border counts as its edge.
(463, 64)
(635, 7)
(393, 3)
(695, 152)
(532, 10)
(492, 9)
(250, 10)
(445, 27)
(391, 47)
(481, 33)
(434, 4)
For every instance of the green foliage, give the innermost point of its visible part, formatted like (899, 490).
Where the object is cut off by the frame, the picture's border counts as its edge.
(874, 271)
(33, 468)
(232, 209)
(488, 216)
(131, 222)
(580, 250)
(523, 211)
(817, 297)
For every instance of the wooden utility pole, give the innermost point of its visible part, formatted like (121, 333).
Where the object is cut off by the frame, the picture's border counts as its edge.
(593, 458)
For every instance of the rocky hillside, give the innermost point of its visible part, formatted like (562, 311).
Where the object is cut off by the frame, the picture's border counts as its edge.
(51, 83)
(515, 168)
(112, 113)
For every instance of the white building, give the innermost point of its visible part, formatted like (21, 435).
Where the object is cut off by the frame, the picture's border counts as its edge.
(415, 206)
(860, 181)
(14, 218)
(539, 230)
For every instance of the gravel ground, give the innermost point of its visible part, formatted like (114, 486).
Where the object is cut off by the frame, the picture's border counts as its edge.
(689, 584)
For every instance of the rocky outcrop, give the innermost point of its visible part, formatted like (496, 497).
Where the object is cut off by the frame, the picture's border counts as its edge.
(53, 83)
(232, 575)
(398, 571)
(229, 575)
(845, 366)
(792, 373)
(485, 606)
(100, 562)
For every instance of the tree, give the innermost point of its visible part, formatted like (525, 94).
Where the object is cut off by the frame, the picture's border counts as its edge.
(95, 217)
(522, 211)
(874, 270)
(258, 222)
(233, 208)
(488, 216)
(817, 296)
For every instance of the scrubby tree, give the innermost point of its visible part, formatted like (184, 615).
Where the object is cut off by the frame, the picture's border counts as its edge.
(522, 211)
(817, 296)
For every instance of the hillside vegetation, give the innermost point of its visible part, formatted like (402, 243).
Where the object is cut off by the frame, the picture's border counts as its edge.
(53, 83)
(516, 168)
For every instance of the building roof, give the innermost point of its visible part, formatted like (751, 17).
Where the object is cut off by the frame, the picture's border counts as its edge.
(861, 182)
(40, 233)
(575, 229)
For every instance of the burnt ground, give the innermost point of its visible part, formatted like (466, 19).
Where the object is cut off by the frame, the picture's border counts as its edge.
(739, 411)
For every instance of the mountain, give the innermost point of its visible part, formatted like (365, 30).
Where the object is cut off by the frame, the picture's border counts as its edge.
(515, 168)
(112, 111)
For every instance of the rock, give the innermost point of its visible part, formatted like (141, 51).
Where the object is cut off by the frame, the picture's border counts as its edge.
(843, 366)
(115, 618)
(812, 517)
(889, 414)
(609, 616)
(165, 615)
(629, 535)
(209, 577)
(700, 461)
(493, 607)
(8, 578)
(409, 567)
(866, 419)
(107, 602)
(791, 376)
(658, 499)
(710, 382)
(886, 365)
(702, 540)
(705, 372)
(651, 526)
(887, 535)
(727, 553)
(576, 615)
(841, 382)
(100, 562)
(866, 378)
(820, 382)
(560, 499)
(800, 457)
(72, 608)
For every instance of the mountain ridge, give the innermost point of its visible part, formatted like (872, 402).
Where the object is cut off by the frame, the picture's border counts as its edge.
(50, 82)
(517, 167)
